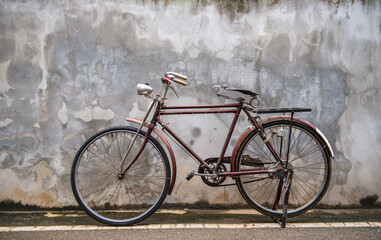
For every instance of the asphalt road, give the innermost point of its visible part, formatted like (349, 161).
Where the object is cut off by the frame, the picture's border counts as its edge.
(272, 233)
(194, 224)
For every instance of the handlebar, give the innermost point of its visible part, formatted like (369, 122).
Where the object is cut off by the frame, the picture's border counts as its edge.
(180, 82)
(178, 75)
(170, 76)
(169, 79)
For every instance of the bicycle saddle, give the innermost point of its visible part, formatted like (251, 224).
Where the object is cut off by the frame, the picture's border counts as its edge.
(243, 91)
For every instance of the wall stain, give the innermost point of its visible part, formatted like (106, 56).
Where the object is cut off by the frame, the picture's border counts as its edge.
(296, 54)
(196, 132)
(19, 143)
(369, 201)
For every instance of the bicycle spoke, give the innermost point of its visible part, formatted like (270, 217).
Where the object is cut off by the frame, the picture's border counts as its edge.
(259, 188)
(266, 190)
(297, 139)
(129, 192)
(141, 157)
(298, 153)
(296, 181)
(310, 162)
(84, 166)
(97, 177)
(295, 198)
(309, 154)
(304, 170)
(100, 158)
(278, 194)
(145, 167)
(106, 152)
(147, 176)
(136, 196)
(119, 149)
(115, 193)
(266, 156)
(100, 188)
(308, 184)
(140, 162)
(302, 196)
(307, 159)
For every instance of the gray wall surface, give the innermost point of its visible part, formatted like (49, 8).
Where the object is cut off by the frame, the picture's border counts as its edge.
(69, 69)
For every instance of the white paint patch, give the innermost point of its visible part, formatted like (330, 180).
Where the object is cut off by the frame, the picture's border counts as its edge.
(50, 18)
(102, 114)
(99, 8)
(8, 182)
(9, 100)
(226, 55)
(167, 211)
(53, 215)
(42, 170)
(194, 53)
(4, 86)
(62, 114)
(85, 115)
(96, 113)
(192, 226)
(5, 123)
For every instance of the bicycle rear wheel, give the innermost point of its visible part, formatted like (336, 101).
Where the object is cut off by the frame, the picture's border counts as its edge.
(308, 158)
(107, 195)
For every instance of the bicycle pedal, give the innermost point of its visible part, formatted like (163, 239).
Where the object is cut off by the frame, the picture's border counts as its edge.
(190, 176)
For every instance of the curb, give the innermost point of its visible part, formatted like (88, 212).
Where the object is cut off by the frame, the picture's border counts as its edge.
(193, 226)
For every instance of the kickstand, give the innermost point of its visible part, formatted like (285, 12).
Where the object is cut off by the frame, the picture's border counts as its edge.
(286, 189)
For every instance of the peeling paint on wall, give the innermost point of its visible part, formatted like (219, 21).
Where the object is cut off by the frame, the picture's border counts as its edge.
(69, 69)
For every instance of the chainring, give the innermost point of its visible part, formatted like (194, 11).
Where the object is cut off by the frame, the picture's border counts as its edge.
(212, 181)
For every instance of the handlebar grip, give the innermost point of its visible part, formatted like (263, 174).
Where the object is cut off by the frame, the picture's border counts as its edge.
(178, 75)
(180, 82)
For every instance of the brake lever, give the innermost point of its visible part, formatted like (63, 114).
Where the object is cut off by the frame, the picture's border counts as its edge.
(174, 88)
(169, 80)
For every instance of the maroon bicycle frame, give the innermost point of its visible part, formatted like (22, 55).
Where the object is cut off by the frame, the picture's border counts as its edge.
(162, 110)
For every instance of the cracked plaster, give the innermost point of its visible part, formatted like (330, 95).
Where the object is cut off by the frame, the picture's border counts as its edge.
(69, 69)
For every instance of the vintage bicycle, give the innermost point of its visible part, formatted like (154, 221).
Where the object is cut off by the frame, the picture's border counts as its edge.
(281, 164)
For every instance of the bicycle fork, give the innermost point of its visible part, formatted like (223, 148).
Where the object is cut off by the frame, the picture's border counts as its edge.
(147, 135)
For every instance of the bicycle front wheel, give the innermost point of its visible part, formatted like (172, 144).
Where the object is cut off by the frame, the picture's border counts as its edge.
(308, 158)
(104, 192)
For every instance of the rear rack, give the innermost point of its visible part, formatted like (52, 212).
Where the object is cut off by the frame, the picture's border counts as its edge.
(282, 110)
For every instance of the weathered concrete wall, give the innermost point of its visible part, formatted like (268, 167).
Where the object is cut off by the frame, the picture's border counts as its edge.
(69, 69)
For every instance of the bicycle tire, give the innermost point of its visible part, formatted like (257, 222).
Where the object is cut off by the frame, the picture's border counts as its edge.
(309, 158)
(107, 196)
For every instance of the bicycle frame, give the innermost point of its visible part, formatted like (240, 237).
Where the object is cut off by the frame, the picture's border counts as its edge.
(162, 110)
(215, 109)
(212, 109)
(236, 109)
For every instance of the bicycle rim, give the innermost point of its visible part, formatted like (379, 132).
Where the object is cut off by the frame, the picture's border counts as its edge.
(308, 159)
(104, 193)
